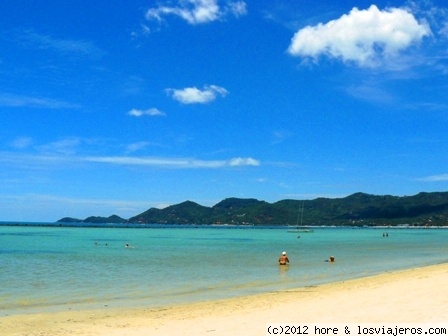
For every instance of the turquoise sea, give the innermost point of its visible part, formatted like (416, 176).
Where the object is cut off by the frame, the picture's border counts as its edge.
(61, 268)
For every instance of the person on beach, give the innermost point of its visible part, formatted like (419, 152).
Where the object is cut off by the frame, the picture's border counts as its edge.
(283, 260)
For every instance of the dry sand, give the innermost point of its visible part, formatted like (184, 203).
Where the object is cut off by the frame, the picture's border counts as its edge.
(409, 296)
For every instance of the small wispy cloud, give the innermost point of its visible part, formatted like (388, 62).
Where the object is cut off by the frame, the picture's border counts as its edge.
(434, 178)
(366, 38)
(236, 162)
(198, 11)
(132, 86)
(136, 146)
(436, 16)
(153, 112)
(444, 30)
(173, 162)
(236, 8)
(193, 95)
(64, 154)
(280, 136)
(371, 92)
(12, 100)
(22, 142)
(32, 39)
(65, 146)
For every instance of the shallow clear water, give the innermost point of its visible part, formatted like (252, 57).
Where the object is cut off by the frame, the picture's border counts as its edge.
(57, 268)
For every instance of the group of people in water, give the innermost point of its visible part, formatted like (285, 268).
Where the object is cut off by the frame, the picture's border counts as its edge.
(284, 260)
(125, 245)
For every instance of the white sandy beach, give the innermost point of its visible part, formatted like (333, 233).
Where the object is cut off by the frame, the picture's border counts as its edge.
(409, 296)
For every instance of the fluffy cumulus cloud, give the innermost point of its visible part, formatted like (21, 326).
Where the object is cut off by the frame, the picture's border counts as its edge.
(365, 37)
(193, 95)
(149, 112)
(199, 11)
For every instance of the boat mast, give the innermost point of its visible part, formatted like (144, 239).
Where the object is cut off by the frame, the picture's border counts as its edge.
(300, 215)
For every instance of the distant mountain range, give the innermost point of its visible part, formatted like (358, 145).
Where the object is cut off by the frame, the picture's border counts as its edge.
(357, 209)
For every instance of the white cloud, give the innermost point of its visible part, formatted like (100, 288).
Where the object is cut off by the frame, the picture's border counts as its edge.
(235, 162)
(12, 100)
(238, 8)
(444, 30)
(63, 154)
(149, 112)
(136, 146)
(32, 39)
(142, 30)
(436, 16)
(65, 146)
(193, 95)
(365, 37)
(435, 178)
(280, 136)
(372, 93)
(198, 11)
(183, 163)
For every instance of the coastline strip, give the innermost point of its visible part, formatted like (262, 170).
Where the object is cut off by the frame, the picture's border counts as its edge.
(418, 295)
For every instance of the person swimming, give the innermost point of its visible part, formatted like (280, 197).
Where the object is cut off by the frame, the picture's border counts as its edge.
(283, 260)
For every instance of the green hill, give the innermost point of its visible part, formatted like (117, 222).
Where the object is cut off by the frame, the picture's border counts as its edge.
(184, 213)
(114, 219)
(356, 209)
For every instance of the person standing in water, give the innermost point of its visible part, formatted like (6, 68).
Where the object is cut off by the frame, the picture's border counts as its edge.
(283, 260)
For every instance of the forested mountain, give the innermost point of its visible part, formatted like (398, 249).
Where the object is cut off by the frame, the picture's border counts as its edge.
(114, 219)
(356, 209)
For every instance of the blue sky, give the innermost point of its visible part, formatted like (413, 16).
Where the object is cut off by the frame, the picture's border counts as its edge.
(113, 107)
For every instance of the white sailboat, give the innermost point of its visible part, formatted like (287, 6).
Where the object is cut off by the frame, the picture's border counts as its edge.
(300, 216)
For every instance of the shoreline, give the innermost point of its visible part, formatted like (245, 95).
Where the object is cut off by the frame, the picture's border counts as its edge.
(228, 226)
(414, 295)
